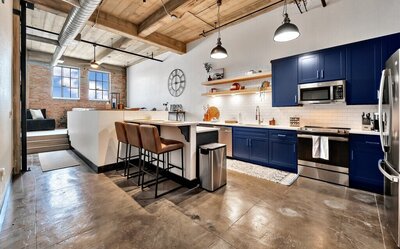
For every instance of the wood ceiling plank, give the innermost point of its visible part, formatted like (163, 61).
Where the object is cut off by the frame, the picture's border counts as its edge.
(121, 27)
(160, 17)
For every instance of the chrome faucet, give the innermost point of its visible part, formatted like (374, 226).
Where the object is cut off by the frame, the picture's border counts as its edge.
(258, 115)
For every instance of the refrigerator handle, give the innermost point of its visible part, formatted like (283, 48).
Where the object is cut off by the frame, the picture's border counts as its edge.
(380, 110)
(392, 178)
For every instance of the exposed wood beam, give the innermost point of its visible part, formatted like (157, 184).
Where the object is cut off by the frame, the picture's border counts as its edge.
(45, 58)
(115, 25)
(41, 39)
(74, 3)
(120, 43)
(160, 17)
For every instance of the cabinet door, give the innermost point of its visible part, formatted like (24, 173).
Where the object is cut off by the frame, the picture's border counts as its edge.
(283, 154)
(241, 149)
(390, 44)
(259, 150)
(363, 72)
(309, 68)
(333, 64)
(365, 152)
(284, 80)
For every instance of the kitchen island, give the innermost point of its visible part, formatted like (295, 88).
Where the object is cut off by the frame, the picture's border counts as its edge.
(93, 138)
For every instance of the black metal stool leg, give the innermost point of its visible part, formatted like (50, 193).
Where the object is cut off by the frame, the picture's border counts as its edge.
(158, 164)
(182, 162)
(127, 165)
(116, 165)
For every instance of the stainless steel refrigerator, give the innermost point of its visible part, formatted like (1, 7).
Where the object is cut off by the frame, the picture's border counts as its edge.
(389, 133)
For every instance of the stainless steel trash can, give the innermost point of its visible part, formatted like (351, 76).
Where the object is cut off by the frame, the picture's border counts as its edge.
(212, 166)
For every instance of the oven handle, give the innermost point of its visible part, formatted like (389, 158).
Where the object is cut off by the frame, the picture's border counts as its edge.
(340, 139)
(392, 178)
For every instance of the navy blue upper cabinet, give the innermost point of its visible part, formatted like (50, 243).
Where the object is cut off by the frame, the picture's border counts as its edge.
(283, 150)
(284, 81)
(326, 65)
(390, 44)
(365, 152)
(363, 72)
(309, 68)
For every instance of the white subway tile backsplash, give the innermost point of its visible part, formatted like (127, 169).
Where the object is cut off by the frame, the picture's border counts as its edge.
(322, 115)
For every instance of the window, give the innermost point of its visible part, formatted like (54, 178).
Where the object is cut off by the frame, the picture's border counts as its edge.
(99, 85)
(65, 82)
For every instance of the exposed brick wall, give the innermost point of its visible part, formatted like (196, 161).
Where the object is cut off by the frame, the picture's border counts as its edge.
(40, 87)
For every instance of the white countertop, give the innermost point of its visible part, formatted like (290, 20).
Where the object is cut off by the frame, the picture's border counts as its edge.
(282, 127)
(201, 129)
(160, 122)
(361, 132)
(252, 125)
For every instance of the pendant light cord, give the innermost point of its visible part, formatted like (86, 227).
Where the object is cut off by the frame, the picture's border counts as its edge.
(94, 53)
(219, 2)
(284, 8)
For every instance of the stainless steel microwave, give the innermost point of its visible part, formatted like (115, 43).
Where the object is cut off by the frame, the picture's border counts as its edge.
(322, 92)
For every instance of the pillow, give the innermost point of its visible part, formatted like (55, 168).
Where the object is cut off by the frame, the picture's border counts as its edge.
(36, 114)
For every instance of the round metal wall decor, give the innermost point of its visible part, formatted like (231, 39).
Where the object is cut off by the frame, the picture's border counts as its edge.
(176, 82)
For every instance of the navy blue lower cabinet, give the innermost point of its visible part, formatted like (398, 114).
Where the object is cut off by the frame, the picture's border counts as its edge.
(259, 150)
(251, 145)
(283, 150)
(365, 152)
(241, 149)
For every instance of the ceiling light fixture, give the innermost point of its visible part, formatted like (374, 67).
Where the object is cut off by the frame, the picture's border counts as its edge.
(94, 64)
(219, 52)
(287, 31)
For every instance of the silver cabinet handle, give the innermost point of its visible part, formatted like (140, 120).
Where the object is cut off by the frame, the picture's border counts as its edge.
(295, 98)
(250, 142)
(317, 74)
(392, 178)
(281, 135)
(374, 143)
(322, 74)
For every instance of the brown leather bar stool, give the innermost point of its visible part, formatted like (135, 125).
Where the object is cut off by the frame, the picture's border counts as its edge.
(122, 138)
(153, 143)
(134, 140)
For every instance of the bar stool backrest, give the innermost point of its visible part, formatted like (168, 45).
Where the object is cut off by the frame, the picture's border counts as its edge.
(133, 135)
(151, 140)
(121, 133)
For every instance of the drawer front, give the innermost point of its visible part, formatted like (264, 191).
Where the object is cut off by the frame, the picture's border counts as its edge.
(251, 132)
(366, 139)
(283, 135)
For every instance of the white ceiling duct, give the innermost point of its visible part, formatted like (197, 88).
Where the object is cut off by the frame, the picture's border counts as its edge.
(76, 20)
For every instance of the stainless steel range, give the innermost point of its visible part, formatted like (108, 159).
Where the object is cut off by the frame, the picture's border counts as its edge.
(334, 165)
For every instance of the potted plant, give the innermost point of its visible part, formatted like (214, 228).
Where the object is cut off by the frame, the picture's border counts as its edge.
(208, 68)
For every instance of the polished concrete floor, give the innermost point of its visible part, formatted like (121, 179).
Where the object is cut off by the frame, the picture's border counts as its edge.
(76, 208)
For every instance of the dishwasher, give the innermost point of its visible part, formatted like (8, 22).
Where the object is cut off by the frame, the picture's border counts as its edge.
(225, 137)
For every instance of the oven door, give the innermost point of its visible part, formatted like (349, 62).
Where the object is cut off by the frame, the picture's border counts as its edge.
(338, 154)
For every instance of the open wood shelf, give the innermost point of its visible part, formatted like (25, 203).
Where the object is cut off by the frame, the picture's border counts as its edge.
(235, 92)
(238, 79)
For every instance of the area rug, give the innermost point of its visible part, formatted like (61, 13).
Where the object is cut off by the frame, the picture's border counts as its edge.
(56, 160)
(274, 175)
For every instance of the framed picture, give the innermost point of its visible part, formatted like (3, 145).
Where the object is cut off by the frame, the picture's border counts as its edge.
(217, 74)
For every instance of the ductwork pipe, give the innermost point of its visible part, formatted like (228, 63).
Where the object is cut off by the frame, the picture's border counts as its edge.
(74, 23)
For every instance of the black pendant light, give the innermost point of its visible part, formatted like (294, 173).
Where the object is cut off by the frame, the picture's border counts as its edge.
(219, 52)
(287, 31)
(94, 64)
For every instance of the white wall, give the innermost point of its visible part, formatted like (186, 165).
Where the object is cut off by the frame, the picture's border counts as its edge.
(6, 143)
(250, 46)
